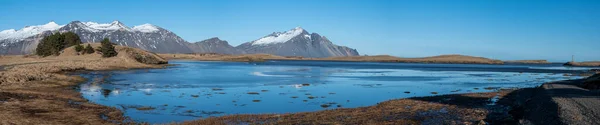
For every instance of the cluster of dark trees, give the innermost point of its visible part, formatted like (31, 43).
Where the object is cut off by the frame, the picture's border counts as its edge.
(107, 48)
(55, 43)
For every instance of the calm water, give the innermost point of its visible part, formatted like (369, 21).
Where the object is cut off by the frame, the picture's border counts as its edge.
(196, 89)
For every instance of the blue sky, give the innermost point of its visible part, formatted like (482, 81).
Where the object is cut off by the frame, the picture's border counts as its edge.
(500, 29)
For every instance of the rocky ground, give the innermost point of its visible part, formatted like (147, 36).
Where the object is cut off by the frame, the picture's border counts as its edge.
(576, 105)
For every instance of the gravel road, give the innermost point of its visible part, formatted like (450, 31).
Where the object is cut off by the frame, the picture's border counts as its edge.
(576, 105)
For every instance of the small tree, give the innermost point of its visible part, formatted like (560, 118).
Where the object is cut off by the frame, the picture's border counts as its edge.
(107, 49)
(50, 45)
(78, 48)
(71, 39)
(88, 49)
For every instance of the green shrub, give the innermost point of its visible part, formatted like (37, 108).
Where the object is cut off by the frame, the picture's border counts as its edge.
(88, 49)
(107, 48)
(71, 39)
(50, 45)
(78, 48)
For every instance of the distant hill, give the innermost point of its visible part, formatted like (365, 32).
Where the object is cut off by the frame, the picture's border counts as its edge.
(528, 61)
(460, 59)
(584, 64)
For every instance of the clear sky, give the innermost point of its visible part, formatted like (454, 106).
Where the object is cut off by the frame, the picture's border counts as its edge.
(500, 29)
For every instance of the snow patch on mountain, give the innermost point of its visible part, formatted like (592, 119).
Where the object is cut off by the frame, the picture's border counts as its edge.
(28, 31)
(115, 25)
(279, 37)
(146, 28)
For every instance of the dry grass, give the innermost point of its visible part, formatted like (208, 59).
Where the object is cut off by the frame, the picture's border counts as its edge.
(379, 58)
(447, 109)
(36, 90)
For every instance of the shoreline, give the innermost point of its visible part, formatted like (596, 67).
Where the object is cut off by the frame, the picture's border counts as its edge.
(58, 103)
(467, 108)
(442, 59)
(29, 105)
(36, 90)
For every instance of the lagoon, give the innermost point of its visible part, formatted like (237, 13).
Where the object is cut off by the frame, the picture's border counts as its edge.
(192, 90)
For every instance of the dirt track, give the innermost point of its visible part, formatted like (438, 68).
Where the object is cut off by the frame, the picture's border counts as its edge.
(576, 105)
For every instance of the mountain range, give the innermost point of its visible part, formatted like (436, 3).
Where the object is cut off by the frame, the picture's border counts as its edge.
(295, 42)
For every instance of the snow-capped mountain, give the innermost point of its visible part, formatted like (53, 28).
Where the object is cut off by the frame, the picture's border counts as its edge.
(296, 42)
(214, 45)
(27, 31)
(146, 36)
(24, 41)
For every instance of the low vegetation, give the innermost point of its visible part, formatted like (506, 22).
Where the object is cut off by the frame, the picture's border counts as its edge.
(107, 49)
(88, 49)
(78, 48)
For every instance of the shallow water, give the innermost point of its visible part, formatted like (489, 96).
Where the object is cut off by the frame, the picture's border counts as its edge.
(197, 89)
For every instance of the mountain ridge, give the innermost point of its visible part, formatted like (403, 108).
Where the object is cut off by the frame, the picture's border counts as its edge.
(294, 42)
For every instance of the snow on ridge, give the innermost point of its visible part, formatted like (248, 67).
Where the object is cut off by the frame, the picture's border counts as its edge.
(28, 31)
(279, 37)
(115, 25)
(146, 28)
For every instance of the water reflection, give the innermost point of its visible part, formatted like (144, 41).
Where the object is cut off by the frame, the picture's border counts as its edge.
(194, 89)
